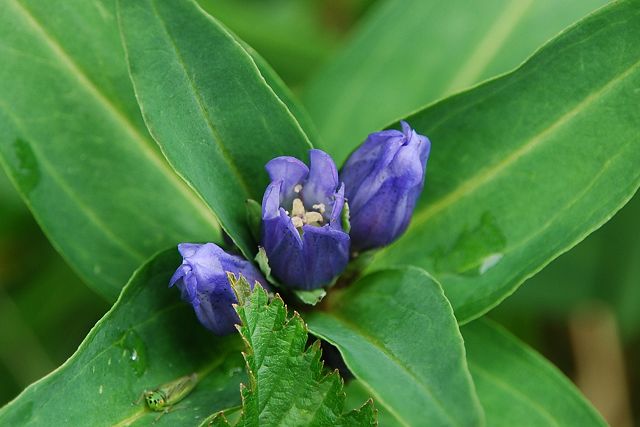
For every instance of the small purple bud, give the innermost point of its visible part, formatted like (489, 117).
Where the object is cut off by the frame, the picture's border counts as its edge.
(301, 221)
(202, 280)
(383, 179)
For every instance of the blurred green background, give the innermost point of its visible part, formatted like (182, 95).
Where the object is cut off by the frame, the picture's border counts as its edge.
(582, 311)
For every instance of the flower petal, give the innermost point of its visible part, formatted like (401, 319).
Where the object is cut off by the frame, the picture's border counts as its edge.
(291, 172)
(271, 200)
(323, 179)
(383, 179)
(216, 310)
(326, 253)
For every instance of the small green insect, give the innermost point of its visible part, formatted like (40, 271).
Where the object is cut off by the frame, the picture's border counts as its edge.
(163, 398)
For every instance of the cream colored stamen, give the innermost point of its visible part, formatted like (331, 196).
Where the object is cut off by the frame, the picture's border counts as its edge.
(314, 218)
(297, 222)
(319, 207)
(300, 217)
(298, 208)
(297, 188)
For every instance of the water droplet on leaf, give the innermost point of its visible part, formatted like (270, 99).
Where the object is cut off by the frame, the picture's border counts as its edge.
(134, 350)
(474, 252)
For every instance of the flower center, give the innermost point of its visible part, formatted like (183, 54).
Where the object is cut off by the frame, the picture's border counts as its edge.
(300, 216)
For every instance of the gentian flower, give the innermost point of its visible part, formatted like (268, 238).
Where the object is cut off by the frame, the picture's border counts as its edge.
(301, 221)
(202, 280)
(383, 179)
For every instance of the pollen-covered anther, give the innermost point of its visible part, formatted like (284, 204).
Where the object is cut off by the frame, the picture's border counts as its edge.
(320, 207)
(300, 217)
(314, 218)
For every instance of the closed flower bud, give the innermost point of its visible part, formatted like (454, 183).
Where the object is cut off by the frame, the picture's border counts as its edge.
(202, 280)
(301, 221)
(383, 179)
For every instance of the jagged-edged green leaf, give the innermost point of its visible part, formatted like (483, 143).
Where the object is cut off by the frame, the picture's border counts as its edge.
(73, 142)
(517, 386)
(397, 334)
(525, 166)
(207, 105)
(287, 383)
(409, 53)
(147, 339)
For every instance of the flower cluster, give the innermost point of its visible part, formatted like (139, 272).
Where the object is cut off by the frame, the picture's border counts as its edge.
(308, 234)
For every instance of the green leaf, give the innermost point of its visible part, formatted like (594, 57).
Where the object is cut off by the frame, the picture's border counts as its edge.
(409, 53)
(254, 218)
(604, 267)
(356, 393)
(287, 385)
(207, 105)
(291, 34)
(519, 387)
(525, 166)
(284, 93)
(148, 338)
(397, 334)
(72, 140)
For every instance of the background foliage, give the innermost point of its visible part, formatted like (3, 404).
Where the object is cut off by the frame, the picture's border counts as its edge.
(50, 310)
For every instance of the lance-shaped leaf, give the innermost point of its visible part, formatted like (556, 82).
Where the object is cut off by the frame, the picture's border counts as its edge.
(525, 166)
(397, 334)
(409, 53)
(207, 105)
(147, 339)
(517, 386)
(73, 142)
(287, 383)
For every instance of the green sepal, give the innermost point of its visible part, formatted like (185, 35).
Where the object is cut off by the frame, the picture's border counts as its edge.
(263, 263)
(344, 217)
(312, 297)
(240, 286)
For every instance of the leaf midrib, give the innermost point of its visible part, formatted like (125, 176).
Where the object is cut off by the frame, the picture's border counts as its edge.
(489, 174)
(217, 139)
(376, 344)
(91, 215)
(513, 391)
(495, 37)
(143, 143)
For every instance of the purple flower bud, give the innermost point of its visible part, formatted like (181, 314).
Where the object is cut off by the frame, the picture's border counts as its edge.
(301, 221)
(383, 179)
(202, 280)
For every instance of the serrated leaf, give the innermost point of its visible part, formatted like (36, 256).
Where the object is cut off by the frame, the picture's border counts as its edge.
(407, 54)
(73, 142)
(527, 165)
(147, 339)
(519, 387)
(398, 336)
(287, 383)
(357, 392)
(208, 106)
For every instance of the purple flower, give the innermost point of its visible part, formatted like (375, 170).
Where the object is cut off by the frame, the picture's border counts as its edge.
(202, 280)
(383, 180)
(301, 221)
